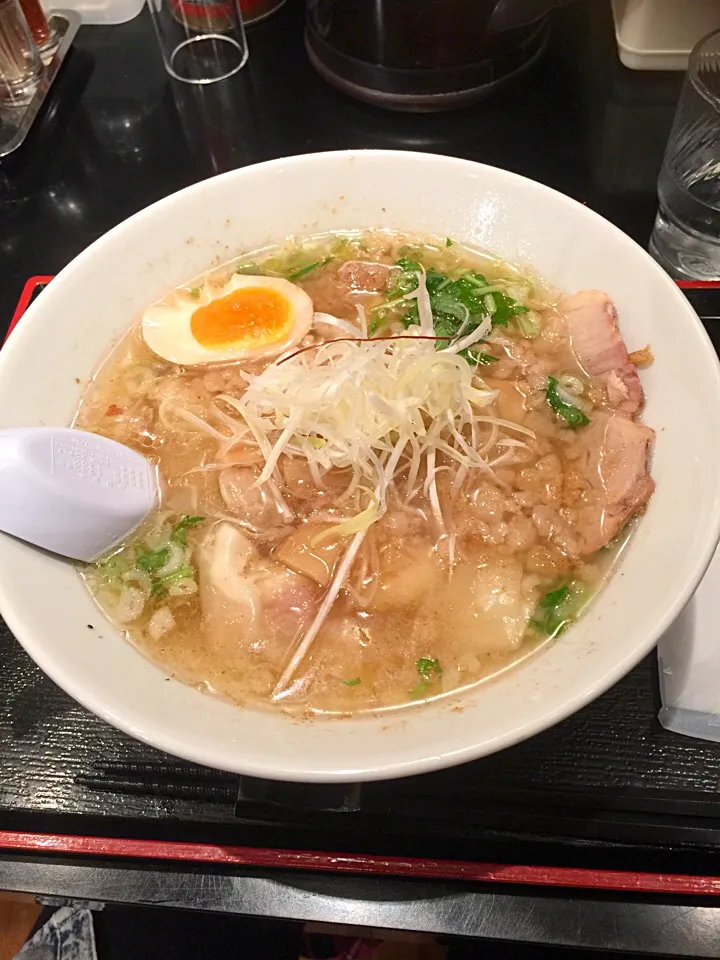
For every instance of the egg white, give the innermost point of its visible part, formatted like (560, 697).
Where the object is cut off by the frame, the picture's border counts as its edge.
(166, 326)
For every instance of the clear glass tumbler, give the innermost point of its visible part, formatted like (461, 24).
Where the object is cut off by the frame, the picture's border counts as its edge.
(686, 235)
(201, 40)
(20, 63)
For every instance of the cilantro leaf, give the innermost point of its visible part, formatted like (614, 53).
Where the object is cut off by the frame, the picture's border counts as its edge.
(406, 281)
(457, 304)
(149, 560)
(179, 532)
(505, 308)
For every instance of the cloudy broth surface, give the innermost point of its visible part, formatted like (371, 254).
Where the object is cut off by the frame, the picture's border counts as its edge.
(450, 561)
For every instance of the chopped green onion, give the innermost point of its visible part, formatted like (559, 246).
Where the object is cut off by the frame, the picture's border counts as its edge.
(428, 669)
(160, 585)
(113, 568)
(139, 557)
(555, 597)
(351, 683)
(527, 325)
(558, 608)
(303, 271)
(377, 324)
(248, 268)
(472, 356)
(572, 415)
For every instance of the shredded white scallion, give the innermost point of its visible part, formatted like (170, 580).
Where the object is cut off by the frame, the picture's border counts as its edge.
(382, 409)
(373, 405)
(396, 413)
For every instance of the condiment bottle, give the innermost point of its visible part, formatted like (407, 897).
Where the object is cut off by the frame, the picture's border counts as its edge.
(42, 33)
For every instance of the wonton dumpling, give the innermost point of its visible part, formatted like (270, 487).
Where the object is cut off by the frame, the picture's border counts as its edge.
(487, 611)
(230, 603)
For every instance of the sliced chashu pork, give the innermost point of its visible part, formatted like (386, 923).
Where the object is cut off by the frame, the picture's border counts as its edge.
(599, 348)
(363, 277)
(617, 468)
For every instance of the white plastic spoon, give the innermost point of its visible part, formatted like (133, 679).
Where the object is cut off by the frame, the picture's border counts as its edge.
(71, 492)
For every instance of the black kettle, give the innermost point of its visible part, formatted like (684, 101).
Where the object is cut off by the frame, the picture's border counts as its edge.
(424, 55)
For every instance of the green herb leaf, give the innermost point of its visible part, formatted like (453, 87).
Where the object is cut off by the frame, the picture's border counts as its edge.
(160, 585)
(419, 690)
(406, 281)
(351, 683)
(472, 356)
(457, 304)
(149, 560)
(428, 669)
(445, 305)
(573, 416)
(448, 242)
(304, 271)
(179, 531)
(505, 309)
(558, 608)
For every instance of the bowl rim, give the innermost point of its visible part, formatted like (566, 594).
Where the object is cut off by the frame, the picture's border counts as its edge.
(41, 650)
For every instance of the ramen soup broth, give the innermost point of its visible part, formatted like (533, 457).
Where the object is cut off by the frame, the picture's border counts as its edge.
(303, 559)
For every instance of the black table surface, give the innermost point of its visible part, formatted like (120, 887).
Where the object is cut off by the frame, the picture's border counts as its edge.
(608, 788)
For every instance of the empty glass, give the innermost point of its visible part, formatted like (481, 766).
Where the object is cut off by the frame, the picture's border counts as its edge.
(200, 41)
(20, 63)
(686, 235)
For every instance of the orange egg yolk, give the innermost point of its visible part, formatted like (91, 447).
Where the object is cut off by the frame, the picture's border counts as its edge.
(250, 317)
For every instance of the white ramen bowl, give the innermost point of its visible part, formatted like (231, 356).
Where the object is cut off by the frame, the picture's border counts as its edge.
(47, 361)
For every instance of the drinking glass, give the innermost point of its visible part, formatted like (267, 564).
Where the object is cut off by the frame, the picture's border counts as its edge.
(201, 40)
(20, 63)
(686, 235)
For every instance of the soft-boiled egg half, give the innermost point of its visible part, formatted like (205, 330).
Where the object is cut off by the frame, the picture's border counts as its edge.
(248, 318)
